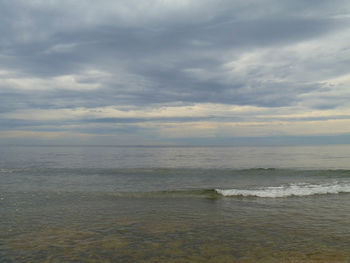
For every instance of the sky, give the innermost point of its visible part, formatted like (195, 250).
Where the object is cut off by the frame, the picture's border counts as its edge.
(151, 72)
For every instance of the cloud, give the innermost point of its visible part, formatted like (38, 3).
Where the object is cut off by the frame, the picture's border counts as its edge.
(62, 61)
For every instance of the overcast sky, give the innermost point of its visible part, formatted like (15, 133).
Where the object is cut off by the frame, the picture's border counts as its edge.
(173, 71)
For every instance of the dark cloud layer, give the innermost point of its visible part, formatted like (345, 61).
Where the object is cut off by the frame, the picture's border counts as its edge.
(69, 54)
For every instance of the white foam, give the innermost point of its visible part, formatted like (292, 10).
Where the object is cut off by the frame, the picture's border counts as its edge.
(6, 170)
(289, 190)
(13, 170)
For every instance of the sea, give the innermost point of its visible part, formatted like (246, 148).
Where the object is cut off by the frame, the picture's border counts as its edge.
(175, 204)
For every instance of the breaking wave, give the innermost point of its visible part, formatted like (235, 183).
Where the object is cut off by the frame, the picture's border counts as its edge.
(301, 189)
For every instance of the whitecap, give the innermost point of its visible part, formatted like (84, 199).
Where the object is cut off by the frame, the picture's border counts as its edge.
(301, 189)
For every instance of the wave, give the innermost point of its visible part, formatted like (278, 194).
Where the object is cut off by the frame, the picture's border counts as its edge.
(194, 193)
(301, 189)
(5, 170)
(175, 171)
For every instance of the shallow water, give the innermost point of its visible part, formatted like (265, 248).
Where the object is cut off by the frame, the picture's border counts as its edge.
(140, 204)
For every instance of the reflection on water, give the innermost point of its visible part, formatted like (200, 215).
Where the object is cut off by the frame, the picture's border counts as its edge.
(173, 229)
(171, 242)
(305, 157)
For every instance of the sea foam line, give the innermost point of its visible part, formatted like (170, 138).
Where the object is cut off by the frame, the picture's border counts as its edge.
(288, 190)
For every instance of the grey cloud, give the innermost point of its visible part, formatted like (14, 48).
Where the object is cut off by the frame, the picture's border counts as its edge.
(146, 49)
(112, 45)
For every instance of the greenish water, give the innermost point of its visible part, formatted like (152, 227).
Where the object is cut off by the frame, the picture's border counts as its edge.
(57, 206)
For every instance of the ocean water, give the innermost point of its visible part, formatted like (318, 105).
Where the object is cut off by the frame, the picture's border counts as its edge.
(174, 204)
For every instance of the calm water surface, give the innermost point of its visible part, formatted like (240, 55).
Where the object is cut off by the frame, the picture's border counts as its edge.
(175, 204)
